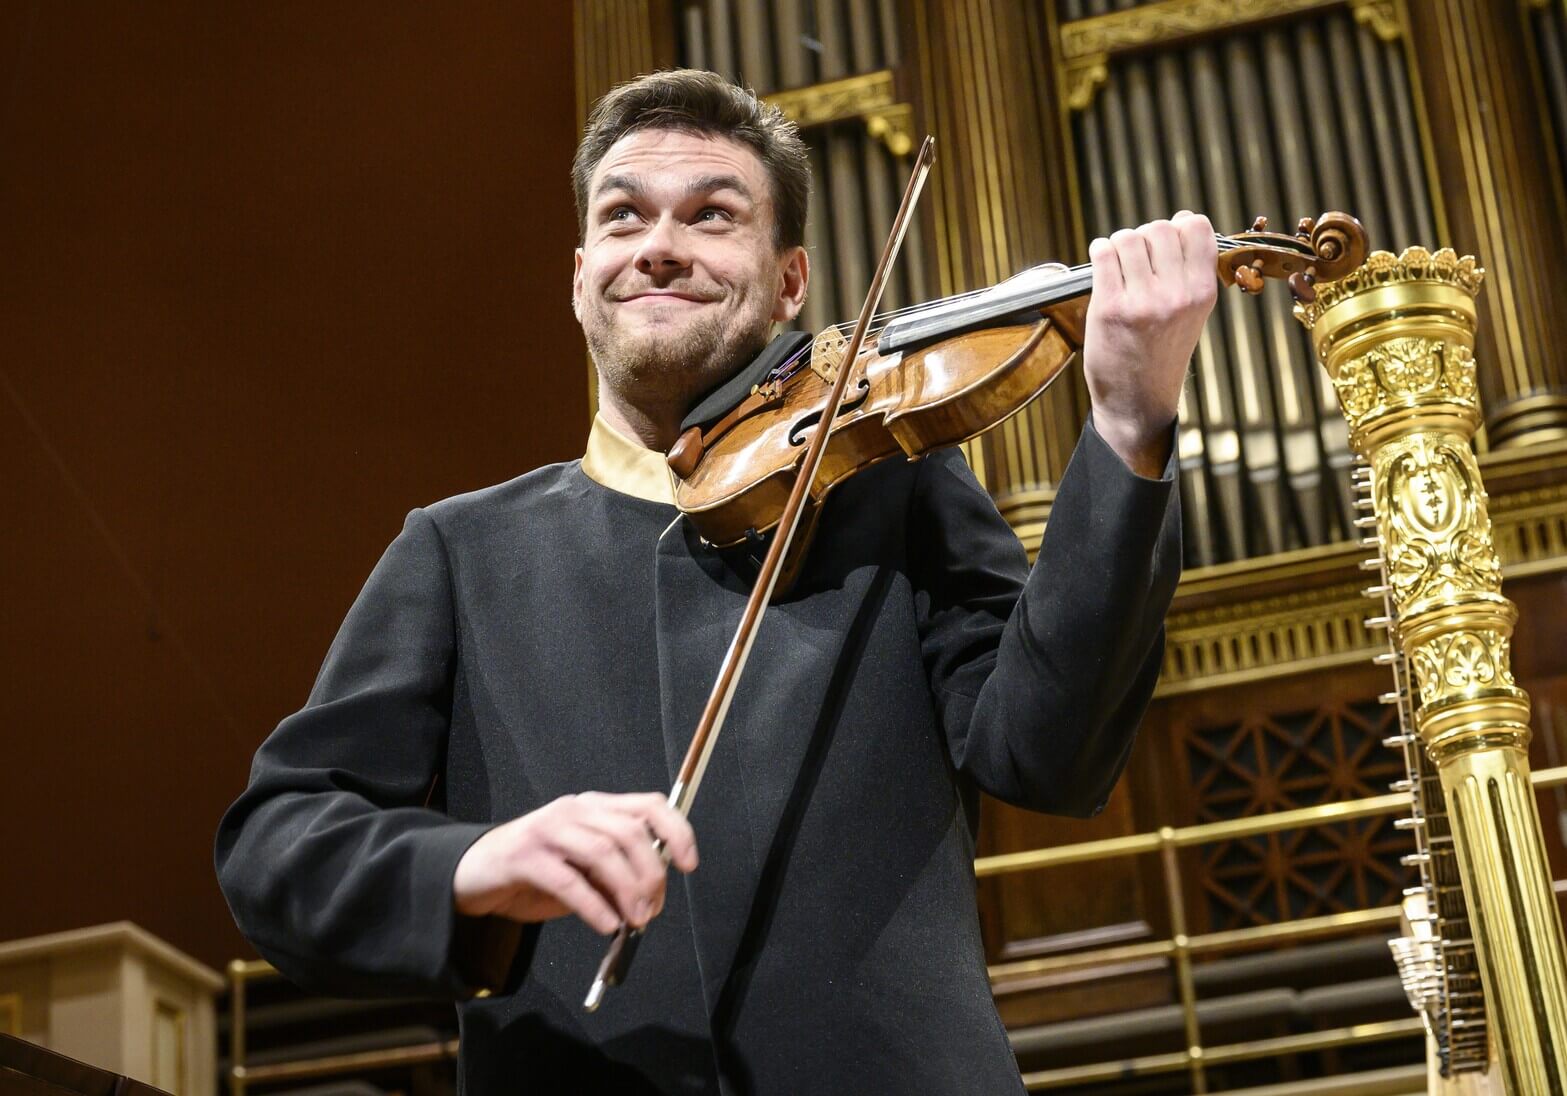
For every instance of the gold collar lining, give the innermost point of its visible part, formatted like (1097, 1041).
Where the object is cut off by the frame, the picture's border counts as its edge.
(615, 461)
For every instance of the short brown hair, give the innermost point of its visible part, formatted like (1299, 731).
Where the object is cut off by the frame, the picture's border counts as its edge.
(705, 103)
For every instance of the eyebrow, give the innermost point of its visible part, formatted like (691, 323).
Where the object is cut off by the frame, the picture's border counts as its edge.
(704, 184)
(709, 183)
(628, 183)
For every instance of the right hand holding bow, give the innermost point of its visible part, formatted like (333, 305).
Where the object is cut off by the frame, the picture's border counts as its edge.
(590, 854)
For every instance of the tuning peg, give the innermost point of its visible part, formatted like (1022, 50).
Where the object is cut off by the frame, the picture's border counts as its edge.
(1307, 226)
(1248, 279)
(1302, 285)
(1260, 225)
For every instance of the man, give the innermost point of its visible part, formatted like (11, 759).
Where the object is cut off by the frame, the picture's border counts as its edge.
(464, 806)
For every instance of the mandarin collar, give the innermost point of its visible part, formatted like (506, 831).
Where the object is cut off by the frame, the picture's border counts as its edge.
(625, 465)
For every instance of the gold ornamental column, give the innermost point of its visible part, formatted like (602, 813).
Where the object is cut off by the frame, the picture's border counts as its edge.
(1397, 337)
(1000, 201)
(1487, 109)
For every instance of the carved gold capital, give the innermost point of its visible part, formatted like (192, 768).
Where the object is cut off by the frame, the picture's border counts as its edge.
(1414, 266)
(869, 97)
(1397, 337)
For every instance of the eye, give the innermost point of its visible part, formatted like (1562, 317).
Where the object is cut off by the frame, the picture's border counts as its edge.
(713, 214)
(621, 214)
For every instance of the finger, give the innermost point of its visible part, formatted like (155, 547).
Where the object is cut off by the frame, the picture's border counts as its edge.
(666, 824)
(598, 856)
(636, 845)
(1196, 231)
(1132, 251)
(672, 828)
(627, 802)
(1107, 267)
(1200, 249)
(1164, 249)
(571, 889)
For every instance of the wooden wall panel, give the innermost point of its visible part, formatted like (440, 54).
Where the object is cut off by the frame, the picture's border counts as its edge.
(273, 276)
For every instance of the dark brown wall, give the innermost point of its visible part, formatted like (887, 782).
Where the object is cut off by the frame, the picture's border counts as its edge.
(270, 276)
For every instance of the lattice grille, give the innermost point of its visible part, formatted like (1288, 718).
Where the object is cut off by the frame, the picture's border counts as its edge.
(1283, 761)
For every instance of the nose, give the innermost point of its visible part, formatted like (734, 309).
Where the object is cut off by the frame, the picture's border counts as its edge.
(663, 252)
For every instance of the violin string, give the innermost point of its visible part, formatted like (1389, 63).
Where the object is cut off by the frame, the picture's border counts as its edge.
(791, 365)
(881, 319)
(1225, 244)
(787, 368)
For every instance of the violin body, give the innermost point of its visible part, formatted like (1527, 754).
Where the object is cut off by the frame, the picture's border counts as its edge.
(899, 404)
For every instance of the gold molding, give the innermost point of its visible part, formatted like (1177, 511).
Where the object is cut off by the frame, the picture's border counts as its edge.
(1238, 637)
(1086, 45)
(869, 97)
(1266, 637)
(1084, 77)
(1174, 20)
(1381, 17)
(893, 127)
(836, 100)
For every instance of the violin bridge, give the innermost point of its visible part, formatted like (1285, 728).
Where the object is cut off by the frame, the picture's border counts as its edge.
(827, 353)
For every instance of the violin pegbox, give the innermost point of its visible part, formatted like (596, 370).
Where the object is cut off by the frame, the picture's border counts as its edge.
(1322, 249)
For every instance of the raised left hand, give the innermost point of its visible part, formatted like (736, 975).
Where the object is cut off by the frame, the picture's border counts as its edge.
(1154, 287)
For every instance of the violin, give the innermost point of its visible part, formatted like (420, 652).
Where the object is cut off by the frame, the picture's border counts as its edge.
(938, 374)
(927, 377)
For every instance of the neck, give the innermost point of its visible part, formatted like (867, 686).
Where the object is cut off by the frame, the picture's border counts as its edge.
(654, 428)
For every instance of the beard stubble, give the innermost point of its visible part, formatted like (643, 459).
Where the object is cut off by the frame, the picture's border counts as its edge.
(673, 369)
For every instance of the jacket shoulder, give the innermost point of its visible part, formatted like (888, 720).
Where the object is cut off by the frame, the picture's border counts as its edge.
(504, 503)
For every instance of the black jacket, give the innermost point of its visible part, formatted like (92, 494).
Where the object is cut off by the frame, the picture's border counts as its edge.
(549, 635)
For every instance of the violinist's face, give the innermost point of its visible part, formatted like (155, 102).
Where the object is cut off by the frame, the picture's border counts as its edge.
(678, 280)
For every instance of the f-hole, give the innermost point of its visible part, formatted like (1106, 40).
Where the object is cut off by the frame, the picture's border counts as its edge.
(797, 431)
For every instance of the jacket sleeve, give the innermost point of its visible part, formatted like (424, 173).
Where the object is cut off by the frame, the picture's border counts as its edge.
(332, 864)
(1040, 681)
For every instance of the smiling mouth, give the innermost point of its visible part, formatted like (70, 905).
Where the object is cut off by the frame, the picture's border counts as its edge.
(665, 297)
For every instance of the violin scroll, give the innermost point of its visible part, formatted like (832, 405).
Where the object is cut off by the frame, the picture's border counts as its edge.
(1321, 249)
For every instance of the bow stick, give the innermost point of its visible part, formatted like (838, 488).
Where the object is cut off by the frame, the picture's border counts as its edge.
(617, 960)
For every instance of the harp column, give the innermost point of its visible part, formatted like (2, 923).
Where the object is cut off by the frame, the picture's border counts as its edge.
(1494, 168)
(1000, 201)
(1397, 336)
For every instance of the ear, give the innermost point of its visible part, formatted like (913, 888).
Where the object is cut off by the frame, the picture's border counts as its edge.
(576, 284)
(794, 268)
